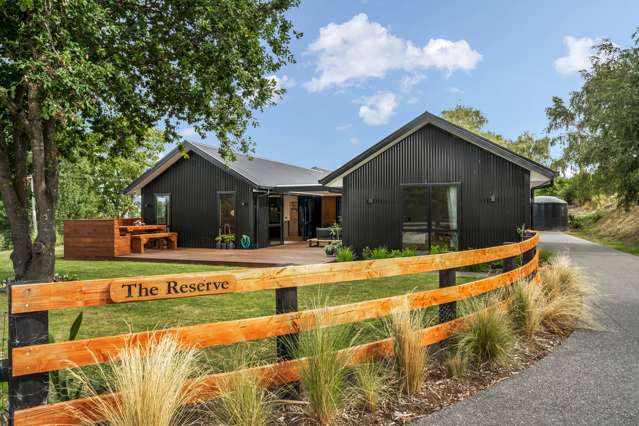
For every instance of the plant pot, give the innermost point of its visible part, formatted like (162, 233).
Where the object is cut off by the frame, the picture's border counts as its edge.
(231, 245)
(218, 244)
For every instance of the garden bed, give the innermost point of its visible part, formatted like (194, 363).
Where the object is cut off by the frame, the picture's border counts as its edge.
(439, 391)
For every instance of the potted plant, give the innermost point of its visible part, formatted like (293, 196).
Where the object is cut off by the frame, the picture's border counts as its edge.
(230, 241)
(218, 241)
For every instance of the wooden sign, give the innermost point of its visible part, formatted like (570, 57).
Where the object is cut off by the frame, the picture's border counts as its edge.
(135, 291)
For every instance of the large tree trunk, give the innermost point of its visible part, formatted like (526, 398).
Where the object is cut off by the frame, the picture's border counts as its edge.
(32, 260)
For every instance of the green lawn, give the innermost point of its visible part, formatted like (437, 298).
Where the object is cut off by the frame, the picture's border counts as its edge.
(116, 319)
(588, 234)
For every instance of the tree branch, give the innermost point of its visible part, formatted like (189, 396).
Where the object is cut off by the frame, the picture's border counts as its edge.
(14, 108)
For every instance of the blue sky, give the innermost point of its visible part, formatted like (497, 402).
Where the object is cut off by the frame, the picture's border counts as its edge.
(365, 68)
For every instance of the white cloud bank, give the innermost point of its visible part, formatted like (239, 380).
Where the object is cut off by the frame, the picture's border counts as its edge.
(359, 49)
(578, 57)
(378, 109)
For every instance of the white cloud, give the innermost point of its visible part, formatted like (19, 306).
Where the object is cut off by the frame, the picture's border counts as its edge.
(354, 140)
(378, 109)
(283, 82)
(359, 49)
(455, 91)
(578, 57)
(409, 81)
(413, 100)
(188, 132)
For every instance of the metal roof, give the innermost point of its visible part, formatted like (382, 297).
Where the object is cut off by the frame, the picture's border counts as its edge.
(259, 172)
(548, 199)
(540, 174)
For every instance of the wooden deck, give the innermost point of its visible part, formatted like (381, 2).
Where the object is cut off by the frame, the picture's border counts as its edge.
(293, 253)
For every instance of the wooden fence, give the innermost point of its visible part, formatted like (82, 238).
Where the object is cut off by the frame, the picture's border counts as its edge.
(31, 357)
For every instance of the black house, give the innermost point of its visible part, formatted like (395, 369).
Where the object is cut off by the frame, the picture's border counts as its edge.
(434, 183)
(261, 202)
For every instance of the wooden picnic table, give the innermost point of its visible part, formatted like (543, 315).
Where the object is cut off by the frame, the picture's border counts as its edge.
(142, 229)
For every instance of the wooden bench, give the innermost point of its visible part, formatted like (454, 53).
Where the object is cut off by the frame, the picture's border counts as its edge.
(320, 241)
(138, 241)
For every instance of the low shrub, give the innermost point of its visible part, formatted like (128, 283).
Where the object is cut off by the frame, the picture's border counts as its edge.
(437, 249)
(332, 248)
(324, 376)
(384, 253)
(584, 221)
(151, 383)
(487, 335)
(410, 355)
(344, 254)
(408, 252)
(527, 308)
(545, 256)
(371, 384)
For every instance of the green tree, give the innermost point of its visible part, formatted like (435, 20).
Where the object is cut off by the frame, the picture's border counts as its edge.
(91, 186)
(598, 125)
(526, 144)
(113, 70)
(530, 147)
(467, 117)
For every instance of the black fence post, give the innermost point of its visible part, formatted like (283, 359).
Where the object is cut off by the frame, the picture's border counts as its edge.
(509, 264)
(31, 328)
(447, 311)
(286, 301)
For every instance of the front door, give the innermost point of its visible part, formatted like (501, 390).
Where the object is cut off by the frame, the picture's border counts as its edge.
(275, 235)
(226, 212)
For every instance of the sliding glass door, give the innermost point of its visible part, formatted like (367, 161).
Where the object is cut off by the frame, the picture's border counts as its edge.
(226, 212)
(430, 216)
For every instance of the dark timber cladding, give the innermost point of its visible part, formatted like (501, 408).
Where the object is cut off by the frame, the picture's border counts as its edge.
(194, 184)
(494, 192)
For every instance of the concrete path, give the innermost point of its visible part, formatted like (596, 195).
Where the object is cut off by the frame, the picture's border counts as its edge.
(593, 377)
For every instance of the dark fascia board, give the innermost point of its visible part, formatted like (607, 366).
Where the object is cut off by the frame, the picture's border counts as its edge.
(428, 118)
(173, 156)
(304, 188)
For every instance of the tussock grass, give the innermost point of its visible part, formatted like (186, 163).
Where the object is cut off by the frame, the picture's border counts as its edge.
(561, 277)
(242, 401)
(151, 384)
(487, 335)
(565, 288)
(527, 308)
(372, 383)
(456, 363)
(410, 355)
(324, 375)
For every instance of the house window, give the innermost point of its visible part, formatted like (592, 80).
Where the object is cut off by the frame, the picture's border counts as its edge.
(430, 216)
(163, 209)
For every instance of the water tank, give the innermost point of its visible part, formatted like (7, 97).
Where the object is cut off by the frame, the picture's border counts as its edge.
(550, 214)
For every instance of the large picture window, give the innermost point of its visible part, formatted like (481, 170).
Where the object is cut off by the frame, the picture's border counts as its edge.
(163, 209)
(430, 216)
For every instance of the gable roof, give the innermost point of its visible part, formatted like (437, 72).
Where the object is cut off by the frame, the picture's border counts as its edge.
(539, 174)
(258, 172)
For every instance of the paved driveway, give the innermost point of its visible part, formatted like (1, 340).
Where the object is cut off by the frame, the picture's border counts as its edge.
(593, 377)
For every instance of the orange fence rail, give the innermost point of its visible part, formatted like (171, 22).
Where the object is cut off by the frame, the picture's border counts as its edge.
(29, 361)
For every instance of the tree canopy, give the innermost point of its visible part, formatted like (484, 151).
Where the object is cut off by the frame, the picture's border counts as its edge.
(88, 78)
(537, 149)
(598, 125)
